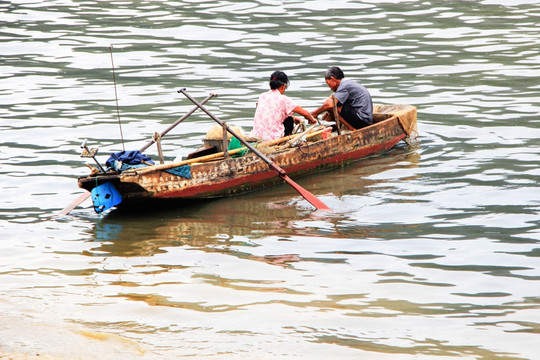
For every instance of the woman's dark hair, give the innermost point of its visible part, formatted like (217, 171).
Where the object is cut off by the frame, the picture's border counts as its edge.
(335, 72)
(277, 79)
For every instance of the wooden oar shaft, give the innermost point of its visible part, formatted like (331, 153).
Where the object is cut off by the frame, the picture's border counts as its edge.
(74, 203)
(177, 122)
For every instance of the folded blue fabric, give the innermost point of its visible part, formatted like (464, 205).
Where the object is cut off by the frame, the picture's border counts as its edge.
(183, 171)
(132, 157)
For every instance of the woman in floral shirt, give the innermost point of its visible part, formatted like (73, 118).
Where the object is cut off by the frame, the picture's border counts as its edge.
(273, 114)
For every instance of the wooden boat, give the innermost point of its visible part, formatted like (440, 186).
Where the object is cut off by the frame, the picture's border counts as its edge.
(214, 175)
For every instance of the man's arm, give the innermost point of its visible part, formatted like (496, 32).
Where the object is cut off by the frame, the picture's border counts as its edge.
(327, 105)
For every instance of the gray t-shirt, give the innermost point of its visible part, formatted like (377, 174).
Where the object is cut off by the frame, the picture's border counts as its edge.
(359, 98)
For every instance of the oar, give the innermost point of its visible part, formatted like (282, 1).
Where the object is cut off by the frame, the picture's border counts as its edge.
(74, 203)
(282, 174)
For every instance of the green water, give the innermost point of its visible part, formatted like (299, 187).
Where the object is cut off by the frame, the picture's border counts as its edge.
(430, 252)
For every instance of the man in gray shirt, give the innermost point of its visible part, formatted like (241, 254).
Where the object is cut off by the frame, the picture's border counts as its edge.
(354, 101)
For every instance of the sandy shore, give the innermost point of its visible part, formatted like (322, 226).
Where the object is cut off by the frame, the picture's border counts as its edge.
(26, 356)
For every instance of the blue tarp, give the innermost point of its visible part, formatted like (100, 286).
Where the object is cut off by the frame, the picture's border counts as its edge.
(183, 171)
(132, 157)
(120, 166)
(124, 160)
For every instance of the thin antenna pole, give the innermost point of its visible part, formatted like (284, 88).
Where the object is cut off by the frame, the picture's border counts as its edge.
(116, 98)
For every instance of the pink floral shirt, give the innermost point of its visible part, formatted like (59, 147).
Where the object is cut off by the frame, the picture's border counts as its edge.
(272, 109)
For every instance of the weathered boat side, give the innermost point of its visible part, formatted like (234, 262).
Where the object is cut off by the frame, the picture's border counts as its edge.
(236, 175)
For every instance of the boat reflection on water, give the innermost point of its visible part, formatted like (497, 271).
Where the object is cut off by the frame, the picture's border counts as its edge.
(235, 222)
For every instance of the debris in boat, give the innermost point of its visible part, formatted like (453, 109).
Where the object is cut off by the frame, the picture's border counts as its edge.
(216, 132)
(213, 142)
(93, 170)
(214, 136)
(236, 144)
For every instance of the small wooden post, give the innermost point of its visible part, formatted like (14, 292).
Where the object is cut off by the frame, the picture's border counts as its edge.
(336, 115)
(340, 122)
(157, 140)
(225, 141)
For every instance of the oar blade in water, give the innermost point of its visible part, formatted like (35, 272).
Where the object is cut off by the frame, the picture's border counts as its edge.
(313, 200)
(74, 203)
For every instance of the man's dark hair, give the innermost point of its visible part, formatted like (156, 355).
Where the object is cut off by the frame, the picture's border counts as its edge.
(335, 72)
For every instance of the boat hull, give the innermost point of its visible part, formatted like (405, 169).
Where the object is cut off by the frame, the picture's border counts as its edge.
(242, 174)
